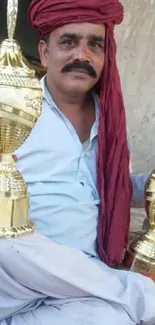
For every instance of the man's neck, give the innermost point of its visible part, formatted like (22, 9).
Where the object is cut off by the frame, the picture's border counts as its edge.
(78, 109)
(67, 102)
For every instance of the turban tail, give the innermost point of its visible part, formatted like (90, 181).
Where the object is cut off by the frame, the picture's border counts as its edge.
(113, 156)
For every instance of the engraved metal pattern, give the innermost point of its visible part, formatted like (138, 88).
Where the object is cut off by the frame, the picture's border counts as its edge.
(12, 11)
(18, 82)
(143, 247)
(11, 137)
(30, 117)
(20, 108)
(15, 232)
(142, 251)
(11, 181)
(35, 103)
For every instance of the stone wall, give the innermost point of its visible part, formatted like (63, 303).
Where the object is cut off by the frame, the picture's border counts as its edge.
(136, 59)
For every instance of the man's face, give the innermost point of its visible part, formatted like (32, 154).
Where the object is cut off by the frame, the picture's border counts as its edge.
(74, 56)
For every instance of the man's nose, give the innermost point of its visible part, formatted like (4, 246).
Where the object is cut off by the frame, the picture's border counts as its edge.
(82, 53)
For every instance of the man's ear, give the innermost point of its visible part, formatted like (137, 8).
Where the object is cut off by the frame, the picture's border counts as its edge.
(43, 52)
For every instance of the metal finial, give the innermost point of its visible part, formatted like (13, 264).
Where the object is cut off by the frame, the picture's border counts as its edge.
(12, 12)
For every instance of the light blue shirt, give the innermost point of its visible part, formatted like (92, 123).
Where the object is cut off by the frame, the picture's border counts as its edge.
(60, 174)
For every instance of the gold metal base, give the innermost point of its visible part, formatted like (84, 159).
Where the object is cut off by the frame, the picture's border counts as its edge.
(20, 108)
(14, 201)
(141, 255)
(15, 232)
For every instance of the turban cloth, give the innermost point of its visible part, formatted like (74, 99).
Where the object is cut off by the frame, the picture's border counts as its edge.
(113, 177)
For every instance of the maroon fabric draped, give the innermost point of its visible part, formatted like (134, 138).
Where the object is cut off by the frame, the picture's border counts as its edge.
(113, 156)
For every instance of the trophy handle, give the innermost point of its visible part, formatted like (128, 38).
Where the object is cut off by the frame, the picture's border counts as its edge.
(12, 12)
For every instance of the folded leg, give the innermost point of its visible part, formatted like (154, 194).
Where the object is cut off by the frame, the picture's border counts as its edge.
(88, 312)
(34, 268)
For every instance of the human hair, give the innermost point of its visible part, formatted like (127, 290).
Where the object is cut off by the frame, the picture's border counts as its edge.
(45, 38)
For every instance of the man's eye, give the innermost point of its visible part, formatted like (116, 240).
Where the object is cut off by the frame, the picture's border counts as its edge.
(68, 42)
(96, 45)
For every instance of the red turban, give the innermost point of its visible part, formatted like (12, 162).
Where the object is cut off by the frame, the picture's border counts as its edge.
(113, 156)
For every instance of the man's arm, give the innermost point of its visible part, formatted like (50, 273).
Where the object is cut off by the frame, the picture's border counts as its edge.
(138, 181)
(138, 184)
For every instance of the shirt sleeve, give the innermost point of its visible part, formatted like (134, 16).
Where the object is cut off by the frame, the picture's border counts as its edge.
(138, 181)
(138, 184)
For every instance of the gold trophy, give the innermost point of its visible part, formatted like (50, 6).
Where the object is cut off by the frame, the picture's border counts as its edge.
(141, 253)
(20, 107)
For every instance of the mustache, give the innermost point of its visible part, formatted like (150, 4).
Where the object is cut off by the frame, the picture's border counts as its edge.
(80, 66)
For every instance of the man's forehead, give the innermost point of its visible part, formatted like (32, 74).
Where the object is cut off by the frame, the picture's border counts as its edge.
(81, 29)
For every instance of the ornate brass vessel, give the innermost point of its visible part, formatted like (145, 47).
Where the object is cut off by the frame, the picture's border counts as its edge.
(20, 107)
(141, 253)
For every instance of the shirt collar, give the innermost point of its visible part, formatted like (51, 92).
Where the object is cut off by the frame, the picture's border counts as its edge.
(48, 98)
(46, 95)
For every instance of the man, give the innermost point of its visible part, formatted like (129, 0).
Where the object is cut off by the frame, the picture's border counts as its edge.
(56, 277)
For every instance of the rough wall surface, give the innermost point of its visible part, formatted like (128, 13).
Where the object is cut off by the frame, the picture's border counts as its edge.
(136, 60)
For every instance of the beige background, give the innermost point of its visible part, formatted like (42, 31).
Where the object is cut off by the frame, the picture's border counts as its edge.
(136, 60)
